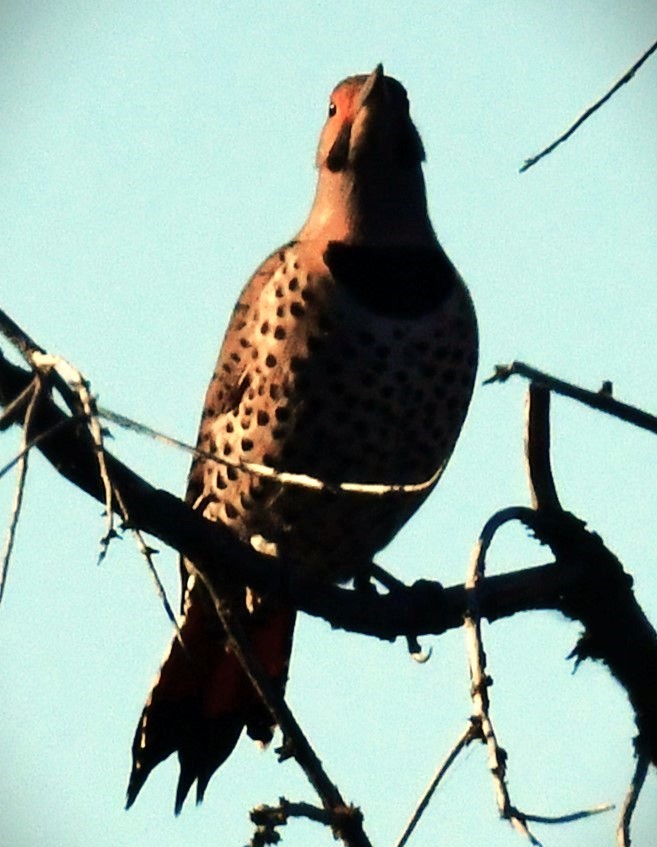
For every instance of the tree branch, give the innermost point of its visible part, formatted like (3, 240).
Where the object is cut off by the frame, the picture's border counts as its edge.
(586, 582)
(601, 400)
(594, 108)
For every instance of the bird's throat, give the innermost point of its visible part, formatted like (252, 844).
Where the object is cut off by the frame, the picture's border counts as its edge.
(367, 207)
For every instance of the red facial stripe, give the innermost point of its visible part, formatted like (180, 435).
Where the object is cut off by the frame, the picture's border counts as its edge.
(345, 98)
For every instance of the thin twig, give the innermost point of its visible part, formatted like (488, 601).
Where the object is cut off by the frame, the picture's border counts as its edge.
(587, 114)
(572, 816)
(36, 441)
(20, 488)
(350, 830)
(7, 418)
(148, 553)
(477, 657)
(299, 480)
(76, 383)
(72, 380)
(480, 683)
(623, 838)
(469, 733)
(601, 400)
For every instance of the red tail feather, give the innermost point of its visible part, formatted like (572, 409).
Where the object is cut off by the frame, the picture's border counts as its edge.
(202, 699)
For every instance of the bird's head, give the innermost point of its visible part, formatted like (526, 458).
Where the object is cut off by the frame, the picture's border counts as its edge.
(370, 187)
(369, 126)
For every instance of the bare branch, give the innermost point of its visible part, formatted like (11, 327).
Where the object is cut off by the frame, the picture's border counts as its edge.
(15, 411)
(149, 553)
(545, 530)
(296, 743)
(616, 630)
(267, 818)
(600, 400)
(71, 380)
(571, 816)
(587, 114)
(20, 488)
(554, 526)
(425, 608)
(17, 336)
(480, 683)
(421, 609)
(83, 399)
(629, 804)
(299, 480)
(543, 491)
(469, 733)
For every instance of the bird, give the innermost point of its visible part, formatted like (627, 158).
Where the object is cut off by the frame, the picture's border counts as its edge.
(350, 358)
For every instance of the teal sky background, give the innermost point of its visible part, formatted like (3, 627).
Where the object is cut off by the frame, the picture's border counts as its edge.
(151, 155)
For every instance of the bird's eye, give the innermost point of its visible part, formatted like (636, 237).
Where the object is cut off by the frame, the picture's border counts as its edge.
(332, 109)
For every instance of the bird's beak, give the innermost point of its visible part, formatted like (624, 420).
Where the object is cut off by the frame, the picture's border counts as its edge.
(372, 85)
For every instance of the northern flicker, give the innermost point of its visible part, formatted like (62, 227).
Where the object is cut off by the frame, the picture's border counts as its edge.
(350, 357)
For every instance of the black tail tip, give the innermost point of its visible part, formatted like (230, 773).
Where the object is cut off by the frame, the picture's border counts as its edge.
(138, 776)
(185, 782)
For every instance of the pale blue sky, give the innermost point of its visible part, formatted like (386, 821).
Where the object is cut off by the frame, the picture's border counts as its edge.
(150, 156)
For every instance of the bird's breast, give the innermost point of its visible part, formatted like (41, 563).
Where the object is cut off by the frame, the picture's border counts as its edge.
(340, 386)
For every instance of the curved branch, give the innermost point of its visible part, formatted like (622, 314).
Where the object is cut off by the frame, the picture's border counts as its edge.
(537, 449)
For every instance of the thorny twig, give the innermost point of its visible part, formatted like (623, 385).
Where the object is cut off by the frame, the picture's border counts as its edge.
(587, 114)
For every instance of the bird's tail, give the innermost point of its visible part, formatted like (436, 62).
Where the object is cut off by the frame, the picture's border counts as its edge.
(201, 699)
